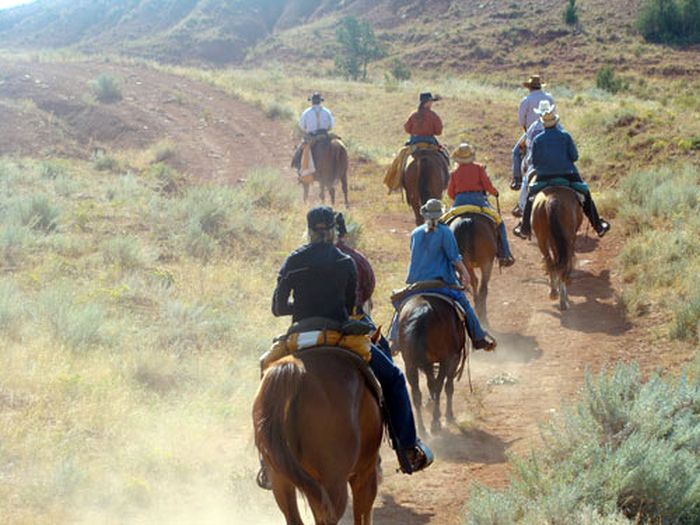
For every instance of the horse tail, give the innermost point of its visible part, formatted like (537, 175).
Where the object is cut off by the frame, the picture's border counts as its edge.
(276, 434)
(423, 169)
(465, 233)
(341, 166)
(416, 331)
(562, 262)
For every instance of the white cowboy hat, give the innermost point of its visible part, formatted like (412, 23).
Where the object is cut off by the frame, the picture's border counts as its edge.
(547, 113)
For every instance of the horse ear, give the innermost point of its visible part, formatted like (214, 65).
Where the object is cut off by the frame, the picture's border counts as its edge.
(377, 335)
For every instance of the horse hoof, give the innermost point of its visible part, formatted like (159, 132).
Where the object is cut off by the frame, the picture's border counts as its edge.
(564, 307)
(436, 427)
(450, 418)
(553, 295)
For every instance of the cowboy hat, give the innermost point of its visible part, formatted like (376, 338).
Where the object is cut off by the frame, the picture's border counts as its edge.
(547, 113)
(316, 98)
(428, 97)
(432, 209)
(535, 82)
(464, 154)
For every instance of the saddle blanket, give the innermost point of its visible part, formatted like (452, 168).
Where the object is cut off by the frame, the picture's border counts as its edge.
(458, 211)
(308, 167)
(537, 186)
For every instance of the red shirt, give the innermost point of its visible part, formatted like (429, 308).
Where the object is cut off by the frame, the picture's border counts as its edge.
(470, 177)
(365, 275)
(424, 122)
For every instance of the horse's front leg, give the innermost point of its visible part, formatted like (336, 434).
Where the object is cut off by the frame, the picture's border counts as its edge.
(412, 378)
(322, 194)
(331, 192)
(563, 296)
(306, 192)
(450, 388)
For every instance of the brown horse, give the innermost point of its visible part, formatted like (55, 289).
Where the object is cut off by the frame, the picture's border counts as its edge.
(478, 243)
(430, 333)
(331, 160)
(318, 427)
(556, 217)
(424, 180)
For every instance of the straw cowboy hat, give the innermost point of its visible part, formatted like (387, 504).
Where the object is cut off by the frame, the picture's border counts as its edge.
(547, 113)
(535, 82)
(432, 209)
(464, 154)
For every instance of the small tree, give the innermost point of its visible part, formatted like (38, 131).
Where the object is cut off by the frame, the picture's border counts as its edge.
(399, 70)
(571, 13)
(358, 47)
(607, 80)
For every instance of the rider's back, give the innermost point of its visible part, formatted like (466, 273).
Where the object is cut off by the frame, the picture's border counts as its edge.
(554, 153)
(321, 277)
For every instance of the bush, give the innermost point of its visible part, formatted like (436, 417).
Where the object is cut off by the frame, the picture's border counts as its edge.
(106, 88)
(400, 71)
(124, 252)
(35, 212)
(77, 325)
(168, 180)
(190, 327)
(106, 163)
(13, 240)
(670, 21)
(607, 80)
(628, 450)
(11, 306)
(278, 111)
(571, 13)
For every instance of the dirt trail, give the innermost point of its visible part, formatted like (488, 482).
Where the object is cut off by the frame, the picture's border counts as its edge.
(218, 137)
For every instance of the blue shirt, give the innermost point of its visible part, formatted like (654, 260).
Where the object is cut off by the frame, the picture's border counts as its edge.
(433, 255)
(554, 153)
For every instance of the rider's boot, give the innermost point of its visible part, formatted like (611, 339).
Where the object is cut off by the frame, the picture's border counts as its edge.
(505, 257)
(481, 340)
(522, 230)
(601, 226)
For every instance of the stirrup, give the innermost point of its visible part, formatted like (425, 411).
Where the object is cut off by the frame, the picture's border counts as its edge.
(415, 459)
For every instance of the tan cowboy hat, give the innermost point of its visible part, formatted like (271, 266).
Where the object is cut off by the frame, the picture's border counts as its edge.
(547, 113)
(464, 154)
(535, 82)
(432, 209)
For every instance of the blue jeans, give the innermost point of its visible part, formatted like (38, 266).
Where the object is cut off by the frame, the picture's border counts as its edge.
(398, 405)
(477, 198)
(474, 329)
(518, 159)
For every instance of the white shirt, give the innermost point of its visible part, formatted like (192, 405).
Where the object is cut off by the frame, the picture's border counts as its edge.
(526, 113)
(316, 118)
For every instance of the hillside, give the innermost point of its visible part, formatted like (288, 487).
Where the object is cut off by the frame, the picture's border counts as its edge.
(487, 37)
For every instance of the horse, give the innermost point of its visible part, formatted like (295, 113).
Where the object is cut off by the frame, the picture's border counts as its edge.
(431, 332)
(331, 161)
(424, 180)
(478, 243)
(318, 427)
(556, 217)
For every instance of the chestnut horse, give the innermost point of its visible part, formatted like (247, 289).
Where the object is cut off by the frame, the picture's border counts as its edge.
(478, 243)
(424, 180)
(430, 332)
(331, 161)
(318, 427)
(556, 217)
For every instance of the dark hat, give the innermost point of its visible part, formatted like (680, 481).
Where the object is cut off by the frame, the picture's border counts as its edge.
(428, 97)
(320, 218)
(316, 98)
(340, 225)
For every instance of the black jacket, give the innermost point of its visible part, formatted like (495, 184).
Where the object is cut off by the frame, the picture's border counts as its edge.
(323, 281)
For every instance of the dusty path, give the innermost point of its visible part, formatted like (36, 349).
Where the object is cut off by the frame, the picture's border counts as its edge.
(46, 110)
(218, 137)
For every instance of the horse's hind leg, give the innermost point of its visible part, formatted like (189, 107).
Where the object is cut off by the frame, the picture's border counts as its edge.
(483, 293)
(412, 378)
(306, 192)
(364, 492)
(435, 426)
(286, 497)
(563, 296)
(450, 388)
(322, 194)
(331, 192)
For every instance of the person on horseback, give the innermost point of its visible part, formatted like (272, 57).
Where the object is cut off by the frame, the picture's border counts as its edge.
(526, 117)
(468, 185)
(423, 125)
(554, 155)
(435, 257)
(323, 283)
(316, 121)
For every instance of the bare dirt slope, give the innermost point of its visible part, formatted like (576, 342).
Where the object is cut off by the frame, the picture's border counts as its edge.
(545, 351)
(46, 110)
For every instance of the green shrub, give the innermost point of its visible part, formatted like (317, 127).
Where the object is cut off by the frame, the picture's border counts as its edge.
(628, 450)
(11, 306)
(670, 21)
(124, 252)
(106, 88)
(571, 13)
(77, 325)
(191, 327)
(13, 241)
(106, 163)
(35, 212)
(400, 71)
(278, 111)
(168, 181)
(607, 80)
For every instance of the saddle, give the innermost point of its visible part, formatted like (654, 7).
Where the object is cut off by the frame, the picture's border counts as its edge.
(398, 297)
(460, 211)
(581, 188)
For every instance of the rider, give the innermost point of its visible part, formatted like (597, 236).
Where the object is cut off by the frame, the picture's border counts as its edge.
(316, 121)
(526, 117)
(435, 256)
(323, 282)
(468, 185)
(424, 125)
(553, 156)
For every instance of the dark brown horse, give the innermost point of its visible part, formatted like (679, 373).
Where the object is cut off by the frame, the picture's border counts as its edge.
(424, 180)
(318, 427)
(478, 243)
(556, 217)
(331, 161)
(431, 333)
